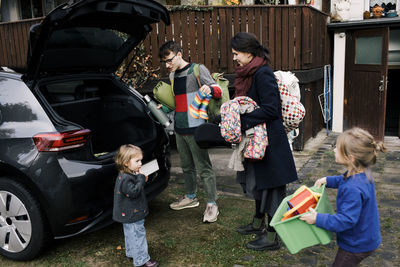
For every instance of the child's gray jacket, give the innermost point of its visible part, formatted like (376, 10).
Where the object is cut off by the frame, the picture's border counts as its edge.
(130, 204)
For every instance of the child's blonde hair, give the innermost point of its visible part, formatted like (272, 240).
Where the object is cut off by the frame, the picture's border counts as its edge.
(359, 149)
(125, 154)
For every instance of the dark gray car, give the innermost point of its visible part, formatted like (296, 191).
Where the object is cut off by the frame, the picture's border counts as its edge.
(62, 121)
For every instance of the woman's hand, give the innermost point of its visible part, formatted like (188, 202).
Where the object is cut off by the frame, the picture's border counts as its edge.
(310, 218)
(159, 106)
(320, 182)
(205, 89)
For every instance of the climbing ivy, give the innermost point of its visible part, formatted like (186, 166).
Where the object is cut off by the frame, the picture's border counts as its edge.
(190, 8)
(140, 70)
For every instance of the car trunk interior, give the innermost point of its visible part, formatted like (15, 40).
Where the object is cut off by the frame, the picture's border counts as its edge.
(114, 116)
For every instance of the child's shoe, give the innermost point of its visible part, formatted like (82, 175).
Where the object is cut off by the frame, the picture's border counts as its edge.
(150, 263)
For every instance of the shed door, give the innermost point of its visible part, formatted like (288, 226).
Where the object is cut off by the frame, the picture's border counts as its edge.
(366, 79)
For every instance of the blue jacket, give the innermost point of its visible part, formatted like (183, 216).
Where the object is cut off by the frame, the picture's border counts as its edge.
(277, 168)
(356, 222)
(130, 204)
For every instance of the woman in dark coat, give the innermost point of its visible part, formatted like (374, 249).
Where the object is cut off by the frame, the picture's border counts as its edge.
(264, 180)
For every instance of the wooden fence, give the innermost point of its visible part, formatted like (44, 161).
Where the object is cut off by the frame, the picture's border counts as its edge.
(295, 35)
(14, 42)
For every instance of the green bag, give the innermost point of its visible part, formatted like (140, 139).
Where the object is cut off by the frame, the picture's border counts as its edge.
(214, 106)
(164, 94)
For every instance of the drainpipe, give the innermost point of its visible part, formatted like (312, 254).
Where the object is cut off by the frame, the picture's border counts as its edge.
(339, 57)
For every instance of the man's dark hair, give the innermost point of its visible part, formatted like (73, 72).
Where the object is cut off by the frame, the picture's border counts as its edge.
(168, 47)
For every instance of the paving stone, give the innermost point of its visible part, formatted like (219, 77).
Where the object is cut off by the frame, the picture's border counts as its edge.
(309, 260)
(392, 170)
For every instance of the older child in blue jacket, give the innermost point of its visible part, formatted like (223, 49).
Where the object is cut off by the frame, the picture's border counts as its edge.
(130, 204)
(356, 222)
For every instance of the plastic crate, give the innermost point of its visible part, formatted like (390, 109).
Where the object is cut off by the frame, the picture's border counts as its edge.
(297, 234)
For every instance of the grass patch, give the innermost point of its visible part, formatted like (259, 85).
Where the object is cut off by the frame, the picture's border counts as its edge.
(387, 223)
(175, 238)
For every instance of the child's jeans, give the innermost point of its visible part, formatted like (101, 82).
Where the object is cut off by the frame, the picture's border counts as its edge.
(136, 243)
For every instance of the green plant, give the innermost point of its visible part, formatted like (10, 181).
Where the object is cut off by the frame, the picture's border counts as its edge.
(140, 69)
(232, 2)
(265, 2)
(189, 8)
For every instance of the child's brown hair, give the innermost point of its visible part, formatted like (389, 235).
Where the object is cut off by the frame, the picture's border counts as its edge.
(124, 155)
(358, 148)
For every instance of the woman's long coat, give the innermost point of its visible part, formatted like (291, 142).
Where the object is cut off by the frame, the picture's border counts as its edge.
(277, 168)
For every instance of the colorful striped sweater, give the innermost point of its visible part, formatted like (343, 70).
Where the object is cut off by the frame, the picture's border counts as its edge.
(185, 89)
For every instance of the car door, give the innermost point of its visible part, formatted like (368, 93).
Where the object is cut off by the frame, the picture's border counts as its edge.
(90, 35)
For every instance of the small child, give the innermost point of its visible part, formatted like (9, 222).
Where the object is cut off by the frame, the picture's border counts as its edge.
(130, 204)
(356, 222)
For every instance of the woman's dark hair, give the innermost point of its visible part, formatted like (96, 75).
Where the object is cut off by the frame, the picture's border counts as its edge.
(247, 42)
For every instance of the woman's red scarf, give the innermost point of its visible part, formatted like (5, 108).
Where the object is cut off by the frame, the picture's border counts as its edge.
(244, 75)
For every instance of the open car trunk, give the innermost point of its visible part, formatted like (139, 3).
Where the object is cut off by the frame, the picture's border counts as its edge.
(114, 115)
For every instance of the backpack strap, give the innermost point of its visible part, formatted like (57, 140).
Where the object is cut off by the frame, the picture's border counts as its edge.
(196, 72)
(171, 79)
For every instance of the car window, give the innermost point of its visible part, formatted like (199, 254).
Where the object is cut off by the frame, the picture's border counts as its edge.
(21, 113)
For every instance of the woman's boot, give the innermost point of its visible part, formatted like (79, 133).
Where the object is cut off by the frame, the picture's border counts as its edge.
(255, 227)
(266, 241)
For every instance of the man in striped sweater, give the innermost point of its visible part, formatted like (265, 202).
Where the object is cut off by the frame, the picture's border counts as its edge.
(194, 160)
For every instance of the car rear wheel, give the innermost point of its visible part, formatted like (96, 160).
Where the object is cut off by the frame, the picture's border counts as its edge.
(22, 230)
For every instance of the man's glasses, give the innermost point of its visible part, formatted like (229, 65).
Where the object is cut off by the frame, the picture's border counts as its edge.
(168, 61)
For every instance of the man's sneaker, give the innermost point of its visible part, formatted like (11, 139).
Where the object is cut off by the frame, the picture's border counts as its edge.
(211, 213)
(184, 203)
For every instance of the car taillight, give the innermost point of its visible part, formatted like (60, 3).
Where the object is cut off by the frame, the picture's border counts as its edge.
(49, 142)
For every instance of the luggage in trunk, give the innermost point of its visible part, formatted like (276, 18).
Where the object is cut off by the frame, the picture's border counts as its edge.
(115, 116)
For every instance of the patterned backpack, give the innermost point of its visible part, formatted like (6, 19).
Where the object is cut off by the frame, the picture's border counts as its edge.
(293, 110)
